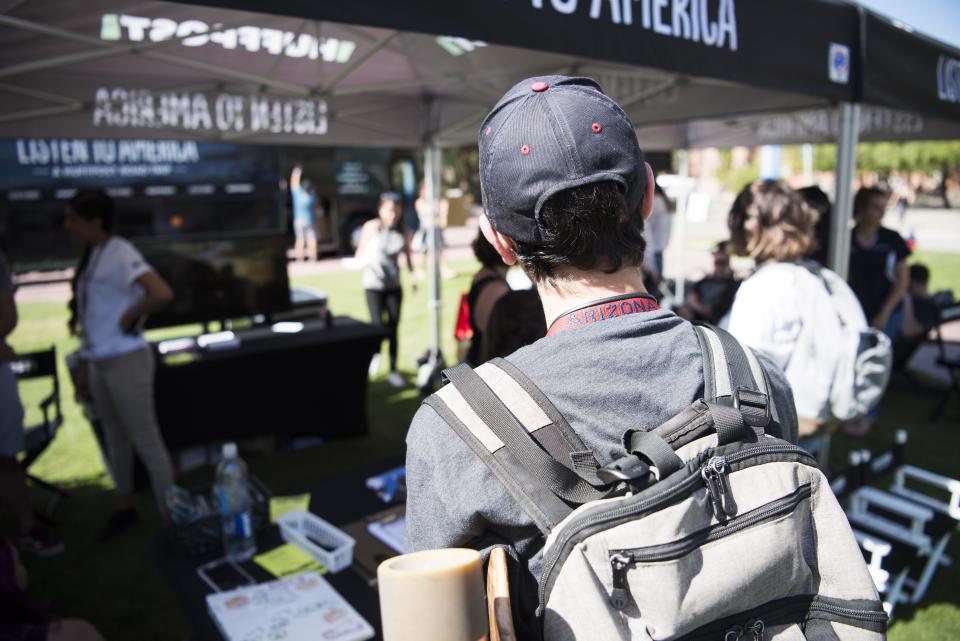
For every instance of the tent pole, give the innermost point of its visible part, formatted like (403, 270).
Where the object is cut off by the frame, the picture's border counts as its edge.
(432, 183)
(839, 255)
(683, 170)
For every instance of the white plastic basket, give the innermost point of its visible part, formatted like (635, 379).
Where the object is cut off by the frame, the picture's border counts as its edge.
(328, 545)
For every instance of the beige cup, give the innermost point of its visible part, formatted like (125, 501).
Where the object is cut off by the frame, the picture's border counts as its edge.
(434, 595)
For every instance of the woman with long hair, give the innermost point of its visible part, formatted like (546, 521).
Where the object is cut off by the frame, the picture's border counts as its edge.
(381, 244)
(786, 307)
(114, 290)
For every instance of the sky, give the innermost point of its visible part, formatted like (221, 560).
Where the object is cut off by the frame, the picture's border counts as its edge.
(937, 18)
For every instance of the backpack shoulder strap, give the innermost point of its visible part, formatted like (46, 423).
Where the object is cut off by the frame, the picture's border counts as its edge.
(540, 417)
(733, 378)
(543, 487)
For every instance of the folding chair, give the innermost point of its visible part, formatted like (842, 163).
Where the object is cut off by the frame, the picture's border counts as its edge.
(915, 526)
(35, 365)
(888, 563)
(951, 362)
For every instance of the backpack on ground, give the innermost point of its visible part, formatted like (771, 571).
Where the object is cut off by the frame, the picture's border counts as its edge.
(849, 360)
(706, 528)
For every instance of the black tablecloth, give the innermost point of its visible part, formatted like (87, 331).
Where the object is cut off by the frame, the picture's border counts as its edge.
(309, 383)
(340, 499)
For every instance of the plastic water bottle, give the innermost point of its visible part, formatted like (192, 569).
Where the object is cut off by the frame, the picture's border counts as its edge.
(233, 496)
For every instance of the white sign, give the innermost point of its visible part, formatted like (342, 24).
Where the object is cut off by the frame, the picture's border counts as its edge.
(711, 22)
(141, 108)
(196, 33)
(839, 63)
(948, 79)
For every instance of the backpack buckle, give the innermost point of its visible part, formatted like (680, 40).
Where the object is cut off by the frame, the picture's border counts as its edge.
(625, 469)
(754, 406)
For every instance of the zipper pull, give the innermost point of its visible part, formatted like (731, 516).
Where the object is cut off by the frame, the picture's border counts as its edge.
(733, 634)
(712, 473)
(756, 629)
(621, 590)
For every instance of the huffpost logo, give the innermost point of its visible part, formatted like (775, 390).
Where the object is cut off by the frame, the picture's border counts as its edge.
(196, 33)
(948, 79)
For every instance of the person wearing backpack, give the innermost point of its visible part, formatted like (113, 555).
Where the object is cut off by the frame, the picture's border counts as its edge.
(803, 315)
(488, 286)
(640, 469)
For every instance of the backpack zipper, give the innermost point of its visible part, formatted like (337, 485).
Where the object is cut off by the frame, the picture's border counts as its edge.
(714, 477)
(623, 560)
(577, 525)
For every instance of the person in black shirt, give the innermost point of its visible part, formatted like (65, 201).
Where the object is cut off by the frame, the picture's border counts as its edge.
(879, 275)
(712, 296)
(489, 285)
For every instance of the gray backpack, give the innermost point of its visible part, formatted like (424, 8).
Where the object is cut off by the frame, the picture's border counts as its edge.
(706, 528)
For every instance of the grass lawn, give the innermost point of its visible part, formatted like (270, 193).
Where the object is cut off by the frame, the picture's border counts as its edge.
(118, 587)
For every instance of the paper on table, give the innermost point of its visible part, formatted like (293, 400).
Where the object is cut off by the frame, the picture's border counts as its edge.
(280, 505)
(300, 608)
(392, 531)
(286, 560)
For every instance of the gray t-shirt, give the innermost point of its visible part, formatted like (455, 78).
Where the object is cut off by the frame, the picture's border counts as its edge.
(381, 258)
(628, 372)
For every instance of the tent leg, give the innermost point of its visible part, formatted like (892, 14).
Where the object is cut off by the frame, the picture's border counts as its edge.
(683, 170)
(839, 254)
(429, 373)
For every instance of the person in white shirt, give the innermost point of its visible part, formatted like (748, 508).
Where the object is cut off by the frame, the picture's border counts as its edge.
(114, 290)
(771, 223)
(657, 231)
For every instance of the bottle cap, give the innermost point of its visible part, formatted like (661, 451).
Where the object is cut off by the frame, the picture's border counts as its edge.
(229, 450)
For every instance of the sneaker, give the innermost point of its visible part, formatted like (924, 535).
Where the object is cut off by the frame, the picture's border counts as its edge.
(40, 542)
(374, 365)
(119, 521)
(395, 379)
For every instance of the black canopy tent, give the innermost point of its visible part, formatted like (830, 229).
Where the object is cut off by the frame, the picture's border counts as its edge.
(910, 91)
(414, 74)
(423, 74)
(388, 74)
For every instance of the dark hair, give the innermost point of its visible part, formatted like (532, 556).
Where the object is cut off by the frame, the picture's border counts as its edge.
(864, 196)
(657, 189)
(585, 227)
(392, 196)
(769, 221)
(89, 204)
(485, 252)
(818, 200)
(919, 273)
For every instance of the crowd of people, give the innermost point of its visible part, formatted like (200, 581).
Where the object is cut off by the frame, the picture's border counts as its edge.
(589, 244)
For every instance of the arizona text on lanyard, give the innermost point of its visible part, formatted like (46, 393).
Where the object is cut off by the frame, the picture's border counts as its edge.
(604, 310)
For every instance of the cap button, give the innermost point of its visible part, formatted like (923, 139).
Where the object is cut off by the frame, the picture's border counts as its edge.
(539, 86)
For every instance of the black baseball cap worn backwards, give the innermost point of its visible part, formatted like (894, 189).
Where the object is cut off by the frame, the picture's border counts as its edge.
(547, 134)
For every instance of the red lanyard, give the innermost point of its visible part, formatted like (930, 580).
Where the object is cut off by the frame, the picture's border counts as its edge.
(604, 310)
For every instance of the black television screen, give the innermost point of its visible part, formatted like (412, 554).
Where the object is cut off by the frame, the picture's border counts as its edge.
(220, 278)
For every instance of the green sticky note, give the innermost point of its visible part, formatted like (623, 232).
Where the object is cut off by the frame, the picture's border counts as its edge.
(286, 560)
(280, 505)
